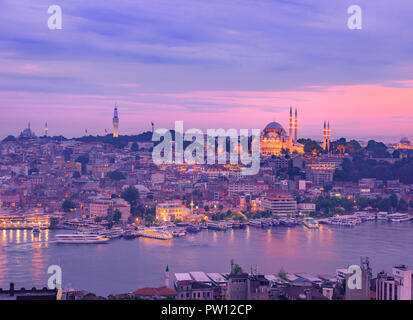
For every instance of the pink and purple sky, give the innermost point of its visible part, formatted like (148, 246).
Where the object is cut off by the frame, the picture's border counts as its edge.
(216, 63)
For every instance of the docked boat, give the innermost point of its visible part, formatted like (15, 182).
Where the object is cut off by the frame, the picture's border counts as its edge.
(193, 229)
(365, 216)
(310, 223)
(255, 223)
(130, 235)
(155, 234)
(344, 221)
(179, 233)
(288, 222)
(275, 222)
(217, 226)
(382, 216)
(36, 229)
(398, 217)
(114, 233)
(80, 238)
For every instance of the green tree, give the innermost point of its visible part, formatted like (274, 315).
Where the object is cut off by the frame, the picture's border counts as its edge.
(115, 175)
(84, 160)
(134, 147)
(402, 205)
(117, 215)
(283, 274)
(76, 175)
(131, 195)
(33, 170)
(394, 200)
(68, 205)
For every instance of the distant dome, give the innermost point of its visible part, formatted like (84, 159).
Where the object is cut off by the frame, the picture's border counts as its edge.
(273, 126)
(405, 140)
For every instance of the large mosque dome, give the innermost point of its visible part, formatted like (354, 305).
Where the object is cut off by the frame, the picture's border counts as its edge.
(274, 129)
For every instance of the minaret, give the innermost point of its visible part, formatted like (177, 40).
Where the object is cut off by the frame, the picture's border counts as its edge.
(115, 123)
(152, 126)
(296, 126)
(328, 136)
(167, 277)
(290, 127)
(324, 137)
(45, 129)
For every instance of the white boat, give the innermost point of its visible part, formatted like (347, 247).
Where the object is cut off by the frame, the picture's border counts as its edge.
(398, 217)
(80, 238)
(344, 221)
(311, 223)
(155, 234)
(382, 216)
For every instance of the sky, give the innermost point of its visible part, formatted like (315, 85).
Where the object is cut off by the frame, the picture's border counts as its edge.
(211, 63)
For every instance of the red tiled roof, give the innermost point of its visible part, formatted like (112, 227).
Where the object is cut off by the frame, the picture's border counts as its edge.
(145, 292)
(162, 291)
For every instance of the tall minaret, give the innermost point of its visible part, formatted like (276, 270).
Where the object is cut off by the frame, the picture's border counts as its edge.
(325, 137)
(45, 129)
(328, 136)
(167, 276)
(295, 126)
(290, 127)
(115, 123)
(152, 126)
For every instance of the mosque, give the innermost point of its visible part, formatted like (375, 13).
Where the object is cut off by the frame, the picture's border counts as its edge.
(274, 139)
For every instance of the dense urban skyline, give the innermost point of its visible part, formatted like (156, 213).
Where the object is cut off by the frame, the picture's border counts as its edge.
(216, 64)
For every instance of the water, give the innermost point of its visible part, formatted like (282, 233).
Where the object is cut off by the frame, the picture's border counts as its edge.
(126, 265)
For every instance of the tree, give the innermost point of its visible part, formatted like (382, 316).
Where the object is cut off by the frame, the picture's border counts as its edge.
(134, 147)
(131, 195)
(84, 160)
(237, 269)
(115, 175)
(68, 205)
(76, 175)
(394, 200)
(117, 215)
(283, 274)
(402, 205)
(33, 170)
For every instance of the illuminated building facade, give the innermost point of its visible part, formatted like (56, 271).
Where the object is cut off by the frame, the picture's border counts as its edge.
(280, 204)
(274, 139)
(171, 211)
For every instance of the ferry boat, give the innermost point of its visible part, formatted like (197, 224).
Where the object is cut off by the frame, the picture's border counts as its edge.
(217, 226)
(310, 223)
(344, 221)
(155, 234)
(81, 238)
(398, 217)
(365, 216)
